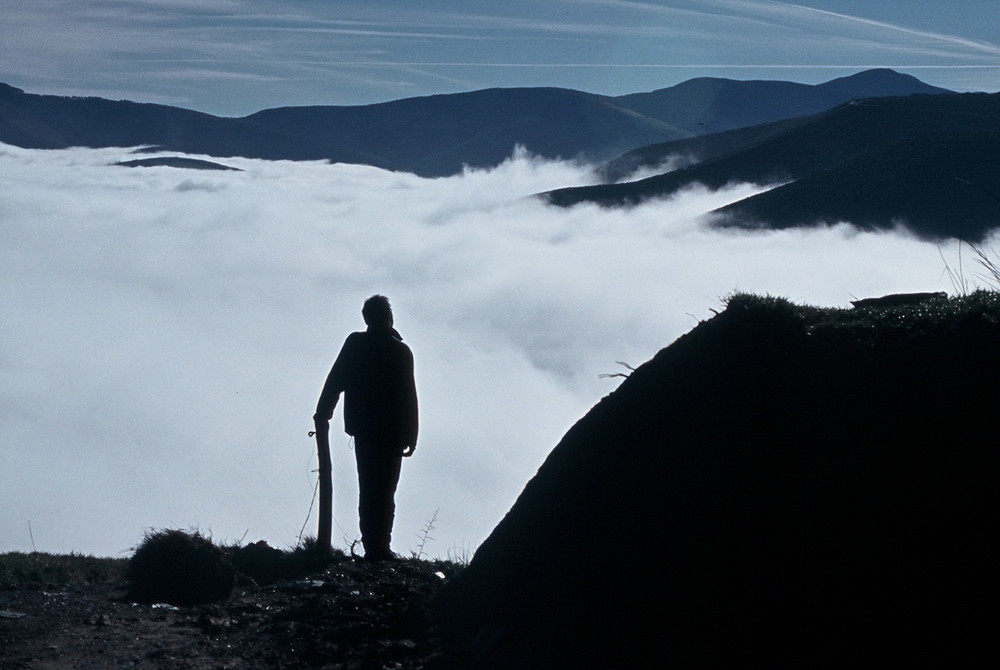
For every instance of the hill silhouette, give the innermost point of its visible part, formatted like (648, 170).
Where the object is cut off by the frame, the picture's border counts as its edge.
(177, 162)
(441, 134)
(926, 162)
(784, 486)
(708, 105)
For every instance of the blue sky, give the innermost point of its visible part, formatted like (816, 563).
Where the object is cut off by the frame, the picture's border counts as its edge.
(234, 57)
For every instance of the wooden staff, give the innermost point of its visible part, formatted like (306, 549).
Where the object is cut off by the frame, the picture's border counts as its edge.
(325, 485)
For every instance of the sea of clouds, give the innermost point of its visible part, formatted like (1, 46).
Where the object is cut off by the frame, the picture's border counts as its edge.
(166, 332)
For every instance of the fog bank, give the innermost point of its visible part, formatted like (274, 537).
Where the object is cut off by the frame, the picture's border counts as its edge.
(166, 332)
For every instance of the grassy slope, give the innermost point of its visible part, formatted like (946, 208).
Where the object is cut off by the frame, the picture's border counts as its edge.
(20, 569)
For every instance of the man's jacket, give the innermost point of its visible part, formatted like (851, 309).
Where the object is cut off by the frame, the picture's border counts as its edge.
(374, 371)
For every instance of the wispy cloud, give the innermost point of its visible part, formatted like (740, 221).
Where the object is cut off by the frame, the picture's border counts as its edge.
(986, 48)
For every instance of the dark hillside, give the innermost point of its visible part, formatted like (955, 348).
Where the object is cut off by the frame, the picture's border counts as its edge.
(783, 486)
(875, 163)
(939, 190)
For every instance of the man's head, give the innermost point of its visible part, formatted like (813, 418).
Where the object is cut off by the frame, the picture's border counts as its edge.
(377, 312)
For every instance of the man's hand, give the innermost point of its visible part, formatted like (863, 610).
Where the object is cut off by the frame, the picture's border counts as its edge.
(322, 425)
(408, 451)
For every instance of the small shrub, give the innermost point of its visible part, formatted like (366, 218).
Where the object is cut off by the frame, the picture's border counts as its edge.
(261, 564)
(180, 568)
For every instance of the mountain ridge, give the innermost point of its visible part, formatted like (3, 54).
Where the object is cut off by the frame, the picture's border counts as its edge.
(430, 136)
(712, 104)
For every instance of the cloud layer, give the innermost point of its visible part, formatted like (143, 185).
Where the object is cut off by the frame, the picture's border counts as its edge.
(166, 332)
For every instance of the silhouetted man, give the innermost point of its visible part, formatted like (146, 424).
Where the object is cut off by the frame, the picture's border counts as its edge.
(374, 371)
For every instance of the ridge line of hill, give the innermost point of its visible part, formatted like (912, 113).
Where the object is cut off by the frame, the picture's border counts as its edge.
(442, 134)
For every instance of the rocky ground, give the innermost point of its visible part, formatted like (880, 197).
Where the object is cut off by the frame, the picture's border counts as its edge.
(353, 615)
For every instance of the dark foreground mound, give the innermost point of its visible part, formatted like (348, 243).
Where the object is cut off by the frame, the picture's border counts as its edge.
(70, 612)
(180, 568)
(783, 486)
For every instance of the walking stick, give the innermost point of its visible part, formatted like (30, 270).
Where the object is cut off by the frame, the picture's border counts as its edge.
(325, 485)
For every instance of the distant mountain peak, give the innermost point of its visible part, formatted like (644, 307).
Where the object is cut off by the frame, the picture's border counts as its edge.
(880, 73)
(881, 82)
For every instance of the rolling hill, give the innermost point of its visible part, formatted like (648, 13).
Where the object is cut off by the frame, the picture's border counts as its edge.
(925, 162)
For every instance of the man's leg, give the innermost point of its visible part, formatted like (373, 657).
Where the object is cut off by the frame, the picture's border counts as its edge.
(378, 476)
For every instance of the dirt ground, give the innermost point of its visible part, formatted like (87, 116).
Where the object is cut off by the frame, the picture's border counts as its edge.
(351, 616)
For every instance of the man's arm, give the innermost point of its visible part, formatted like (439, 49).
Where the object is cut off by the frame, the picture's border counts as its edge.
(412, 412)
(328, 399)
(336, 383)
